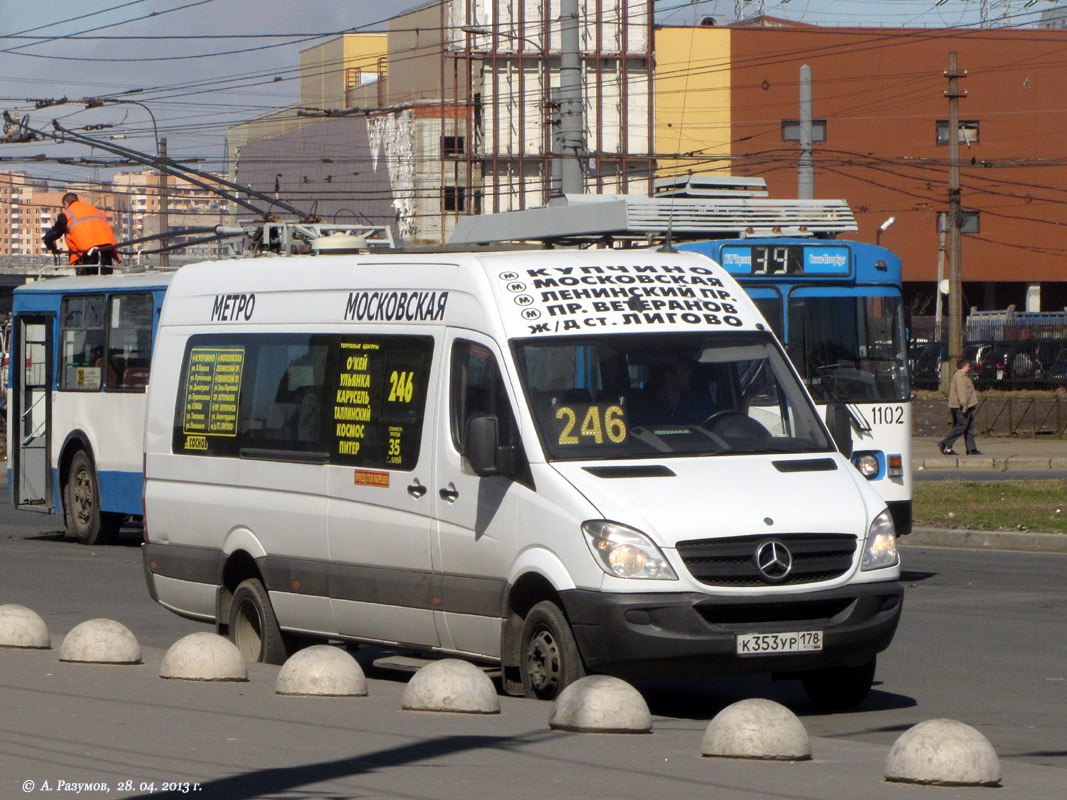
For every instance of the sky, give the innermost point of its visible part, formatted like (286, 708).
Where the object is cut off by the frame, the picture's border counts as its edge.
(201, 65)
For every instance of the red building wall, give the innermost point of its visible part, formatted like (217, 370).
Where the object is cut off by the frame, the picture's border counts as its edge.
(882, 93)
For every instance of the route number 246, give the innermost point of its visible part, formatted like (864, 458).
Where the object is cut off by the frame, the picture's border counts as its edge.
(597, 422)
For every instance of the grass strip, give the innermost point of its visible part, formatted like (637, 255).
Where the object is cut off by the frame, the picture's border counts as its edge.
(992, 505)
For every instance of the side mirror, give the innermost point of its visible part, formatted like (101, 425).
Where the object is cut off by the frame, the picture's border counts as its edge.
(480, 443)
(839, 421)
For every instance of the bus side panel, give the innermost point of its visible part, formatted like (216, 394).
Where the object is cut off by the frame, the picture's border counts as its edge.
(111, 424)
(273, 510)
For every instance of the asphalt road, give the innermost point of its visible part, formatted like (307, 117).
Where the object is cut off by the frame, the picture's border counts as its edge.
(981, 641)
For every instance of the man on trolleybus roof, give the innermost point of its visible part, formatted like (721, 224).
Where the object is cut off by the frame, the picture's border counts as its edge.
(89, 238)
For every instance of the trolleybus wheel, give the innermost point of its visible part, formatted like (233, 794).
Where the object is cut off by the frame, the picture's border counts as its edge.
(81, 505)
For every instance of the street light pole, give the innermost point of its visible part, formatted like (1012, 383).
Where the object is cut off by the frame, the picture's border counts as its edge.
(881, 228)
(161, 153)
(571, 133)
(955, 270)
(164, 205)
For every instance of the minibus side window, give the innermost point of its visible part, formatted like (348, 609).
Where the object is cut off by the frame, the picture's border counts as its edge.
(82, 343)
(287, 395)
(351, 400)
(379, 387)
(478, 388)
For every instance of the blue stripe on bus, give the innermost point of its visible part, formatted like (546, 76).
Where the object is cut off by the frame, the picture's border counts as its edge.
(120, 492)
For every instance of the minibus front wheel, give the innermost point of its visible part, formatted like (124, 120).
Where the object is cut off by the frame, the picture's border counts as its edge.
(549, 660)
(253, 625)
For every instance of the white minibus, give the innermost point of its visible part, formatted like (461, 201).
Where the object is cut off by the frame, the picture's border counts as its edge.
(554, 461)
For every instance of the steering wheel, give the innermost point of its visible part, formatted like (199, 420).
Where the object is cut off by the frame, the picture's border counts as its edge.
(742, 423)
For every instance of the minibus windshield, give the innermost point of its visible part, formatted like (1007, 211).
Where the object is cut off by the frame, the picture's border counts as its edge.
(686, 394)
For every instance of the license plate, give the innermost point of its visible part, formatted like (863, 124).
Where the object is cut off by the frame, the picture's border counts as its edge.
(765, 644)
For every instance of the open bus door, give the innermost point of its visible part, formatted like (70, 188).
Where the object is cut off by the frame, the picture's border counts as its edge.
(31, 411)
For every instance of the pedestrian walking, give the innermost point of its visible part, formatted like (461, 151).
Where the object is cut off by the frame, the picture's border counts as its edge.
(962, 401)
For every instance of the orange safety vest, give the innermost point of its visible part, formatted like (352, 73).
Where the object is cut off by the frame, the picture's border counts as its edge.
(86, 228)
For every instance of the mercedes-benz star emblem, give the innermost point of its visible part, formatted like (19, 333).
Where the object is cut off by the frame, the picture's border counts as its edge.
(774, 560)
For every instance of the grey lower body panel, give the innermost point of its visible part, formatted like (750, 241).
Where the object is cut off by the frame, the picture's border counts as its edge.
(690, 633)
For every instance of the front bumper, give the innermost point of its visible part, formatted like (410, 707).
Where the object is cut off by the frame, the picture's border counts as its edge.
(692, 633)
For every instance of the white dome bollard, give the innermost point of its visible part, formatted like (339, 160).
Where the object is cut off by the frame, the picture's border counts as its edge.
(322, 670)
(943, 752)
(600, 704)
(22, 628)
(451, 685)
(203, 657)
(100, 641)
(757, 729)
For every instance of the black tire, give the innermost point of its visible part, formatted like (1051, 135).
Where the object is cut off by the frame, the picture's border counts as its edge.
(839, 688)
(253, 625)
(81, 505)
(548, 660)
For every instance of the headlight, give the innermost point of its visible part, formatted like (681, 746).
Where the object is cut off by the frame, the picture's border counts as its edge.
(867, 464)
(881, 549)
(624, 552)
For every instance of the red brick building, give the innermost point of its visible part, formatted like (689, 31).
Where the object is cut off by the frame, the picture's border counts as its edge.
(882, 95)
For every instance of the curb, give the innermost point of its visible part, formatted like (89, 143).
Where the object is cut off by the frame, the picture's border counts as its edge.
(985, 540)
(1000, 463)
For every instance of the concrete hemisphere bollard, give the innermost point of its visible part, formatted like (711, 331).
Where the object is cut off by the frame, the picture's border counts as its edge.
(451, 685)
(100, 641)
(600, 704)
(22, 628)
(943, 752)
(323, 671)
(203, 657)
(756, 729)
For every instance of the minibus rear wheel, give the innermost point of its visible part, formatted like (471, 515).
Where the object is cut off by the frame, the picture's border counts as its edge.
(839, 688)
(549, 660)
(253, 625)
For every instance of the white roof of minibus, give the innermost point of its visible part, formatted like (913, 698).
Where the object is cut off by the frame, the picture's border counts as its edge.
(513, 293)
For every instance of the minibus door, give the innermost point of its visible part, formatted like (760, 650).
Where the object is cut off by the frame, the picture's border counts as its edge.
(380, 521)
(31, 413)
(478, 517)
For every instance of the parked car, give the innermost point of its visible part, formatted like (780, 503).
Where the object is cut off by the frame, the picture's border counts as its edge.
(926, 372)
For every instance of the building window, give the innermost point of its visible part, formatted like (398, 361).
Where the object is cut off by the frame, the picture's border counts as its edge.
(455, 198)
(968, 132)
(791, 130)
(453, 145)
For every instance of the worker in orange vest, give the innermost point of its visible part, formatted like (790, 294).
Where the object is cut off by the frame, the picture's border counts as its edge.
(90, 240)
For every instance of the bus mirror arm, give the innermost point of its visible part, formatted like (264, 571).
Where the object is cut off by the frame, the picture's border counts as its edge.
(839, 421)
(480, 445)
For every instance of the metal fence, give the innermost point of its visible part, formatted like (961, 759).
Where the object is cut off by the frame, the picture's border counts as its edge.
(998, 415)
(1003, 356)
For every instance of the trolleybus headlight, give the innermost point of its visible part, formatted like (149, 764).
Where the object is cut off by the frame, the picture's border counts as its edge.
(867, 464)
(881, 548)
(624, 552)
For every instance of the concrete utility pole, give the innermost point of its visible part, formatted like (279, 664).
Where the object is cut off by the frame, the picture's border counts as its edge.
(164, 205)
(955, 271)
(806, 169)
(571, 125)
